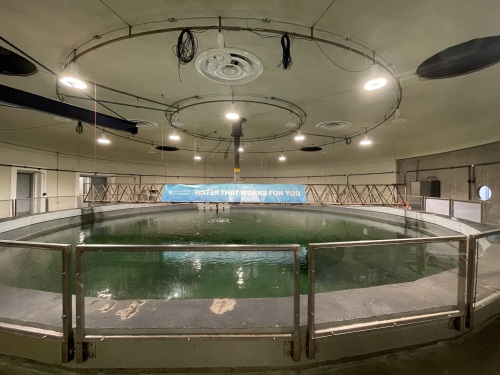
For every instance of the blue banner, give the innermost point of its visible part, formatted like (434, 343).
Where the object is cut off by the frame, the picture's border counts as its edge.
(235, 193)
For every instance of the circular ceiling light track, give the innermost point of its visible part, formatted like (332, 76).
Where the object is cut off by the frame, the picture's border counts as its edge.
(369, 54)
(246, 98)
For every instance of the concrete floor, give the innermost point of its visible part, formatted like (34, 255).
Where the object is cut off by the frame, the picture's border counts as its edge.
(477, 353)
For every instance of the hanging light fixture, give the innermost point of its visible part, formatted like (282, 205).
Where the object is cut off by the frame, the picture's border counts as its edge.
(232, 116)
(176, 122)
(290, 124)
(103, 140)
(398, 119)
(299, 136)
(282, 157)
(196, 154)
(366, 141)
(174, 136)
(70, 78)
(377, 80)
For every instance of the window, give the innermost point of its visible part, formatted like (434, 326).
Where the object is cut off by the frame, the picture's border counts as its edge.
(484, 193)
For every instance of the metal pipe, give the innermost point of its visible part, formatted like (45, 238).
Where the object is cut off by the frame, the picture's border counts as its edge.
(237, 133)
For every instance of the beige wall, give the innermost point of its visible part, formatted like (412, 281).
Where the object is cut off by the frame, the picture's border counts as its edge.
(62, 186)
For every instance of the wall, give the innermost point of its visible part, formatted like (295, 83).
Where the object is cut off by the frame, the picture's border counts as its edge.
(452, 169)
(5, 183)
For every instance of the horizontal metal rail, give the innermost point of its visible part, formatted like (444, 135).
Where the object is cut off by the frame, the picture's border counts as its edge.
(82, 339)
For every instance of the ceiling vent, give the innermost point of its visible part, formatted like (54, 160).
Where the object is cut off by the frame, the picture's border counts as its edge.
(333, 126)
(144, 124)
(242, 66)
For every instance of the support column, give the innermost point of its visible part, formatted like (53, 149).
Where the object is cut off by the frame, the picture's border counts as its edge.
(237, 133)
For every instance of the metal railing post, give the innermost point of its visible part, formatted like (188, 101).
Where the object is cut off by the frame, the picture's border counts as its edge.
(296, 349)
(311, 278)
(67, 313)
(462, 284)
(471, 281)
(80, 347)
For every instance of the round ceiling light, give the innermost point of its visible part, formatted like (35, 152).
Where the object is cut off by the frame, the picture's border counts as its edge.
(73, 82)
(243, 67)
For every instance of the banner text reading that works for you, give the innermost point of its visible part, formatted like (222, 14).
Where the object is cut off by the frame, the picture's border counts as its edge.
(235, 193)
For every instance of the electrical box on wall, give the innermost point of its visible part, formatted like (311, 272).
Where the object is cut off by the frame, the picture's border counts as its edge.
(426, 188)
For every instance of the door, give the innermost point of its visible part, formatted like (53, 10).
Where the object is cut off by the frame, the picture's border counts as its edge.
(24, 193)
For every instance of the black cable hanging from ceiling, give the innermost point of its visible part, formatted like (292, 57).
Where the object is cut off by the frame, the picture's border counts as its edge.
(186, 47)
(286, 62)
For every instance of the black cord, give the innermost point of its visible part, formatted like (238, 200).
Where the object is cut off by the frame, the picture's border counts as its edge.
(287, 58)
(79, 127)
(186, 47)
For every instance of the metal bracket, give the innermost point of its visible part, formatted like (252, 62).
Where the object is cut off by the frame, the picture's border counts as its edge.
(84, 351)
(457, 323)
(287, 349)
(292, 349)
(91, 351)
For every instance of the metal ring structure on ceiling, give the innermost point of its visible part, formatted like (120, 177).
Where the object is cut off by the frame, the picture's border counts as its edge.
(238, 98)
(370, 54)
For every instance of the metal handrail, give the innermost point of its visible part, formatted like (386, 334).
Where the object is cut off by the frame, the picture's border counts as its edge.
(460, 313)
(472, 273)
(81, 338)
(67, 324)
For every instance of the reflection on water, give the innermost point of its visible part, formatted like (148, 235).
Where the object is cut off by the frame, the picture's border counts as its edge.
(218, 274)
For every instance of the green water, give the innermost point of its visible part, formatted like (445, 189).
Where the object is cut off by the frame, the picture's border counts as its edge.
(166, 275)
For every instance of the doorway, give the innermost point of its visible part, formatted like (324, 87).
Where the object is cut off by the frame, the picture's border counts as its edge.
(24, 194)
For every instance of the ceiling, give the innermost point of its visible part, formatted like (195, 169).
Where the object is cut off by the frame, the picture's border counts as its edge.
(134, 74)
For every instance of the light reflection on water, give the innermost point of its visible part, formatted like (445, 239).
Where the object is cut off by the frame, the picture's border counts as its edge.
(218, 274)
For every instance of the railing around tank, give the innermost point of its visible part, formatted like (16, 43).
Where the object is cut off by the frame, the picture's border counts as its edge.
(483, 279)
(434, 297)
(31, 319)
(162, 322)
(470, 284)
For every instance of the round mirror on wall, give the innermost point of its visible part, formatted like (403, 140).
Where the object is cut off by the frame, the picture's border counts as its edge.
(484, 193)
